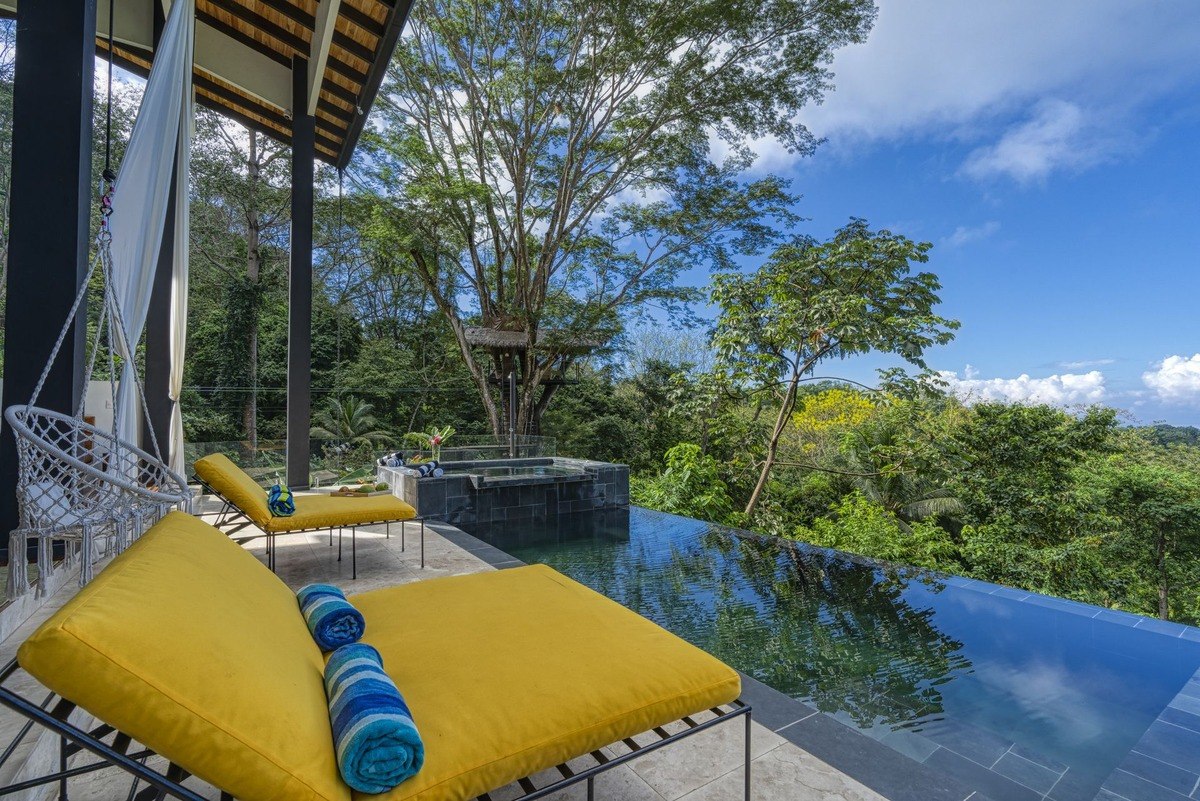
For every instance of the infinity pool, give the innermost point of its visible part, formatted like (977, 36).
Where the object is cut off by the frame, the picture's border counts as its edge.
(1026, 696)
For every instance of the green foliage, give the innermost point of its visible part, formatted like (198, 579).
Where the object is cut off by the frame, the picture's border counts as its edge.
(690, 486)
(431, 440)
(862, 526)
(1155, 512)
(814, 301)
(348, 419)
(1165, 434)
(546, 165)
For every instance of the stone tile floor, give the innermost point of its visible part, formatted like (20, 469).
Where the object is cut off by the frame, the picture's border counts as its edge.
(706, 767)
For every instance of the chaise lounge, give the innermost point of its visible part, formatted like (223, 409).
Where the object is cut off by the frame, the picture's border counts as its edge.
(245, 504)
(186, 644)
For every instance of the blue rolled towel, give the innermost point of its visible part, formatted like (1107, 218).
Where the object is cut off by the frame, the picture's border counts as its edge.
(377, 742)
(332, 620)
(280, 501)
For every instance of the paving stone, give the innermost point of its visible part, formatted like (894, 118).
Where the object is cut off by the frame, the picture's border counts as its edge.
(1030, 774)
(1153, 770)
(1039, 758)
(1185, 703)
(968, 741)
(786, 773)
(978, 776)
(1172, 744)
(695, 761)
(1135, 788)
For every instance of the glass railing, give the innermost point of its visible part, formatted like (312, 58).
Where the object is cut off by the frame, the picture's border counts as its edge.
(332, 462)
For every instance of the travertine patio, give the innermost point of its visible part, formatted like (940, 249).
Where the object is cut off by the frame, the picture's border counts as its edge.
(706, 767)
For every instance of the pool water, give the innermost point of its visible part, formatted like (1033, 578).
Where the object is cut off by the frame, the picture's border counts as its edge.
(935, 667)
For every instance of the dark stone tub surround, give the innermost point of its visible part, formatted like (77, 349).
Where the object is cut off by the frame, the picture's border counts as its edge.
(462, 497)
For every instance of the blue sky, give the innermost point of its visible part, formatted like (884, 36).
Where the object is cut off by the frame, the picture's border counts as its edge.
(1049, 150)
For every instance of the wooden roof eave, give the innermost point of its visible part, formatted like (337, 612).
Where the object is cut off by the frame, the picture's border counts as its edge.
(244, 55)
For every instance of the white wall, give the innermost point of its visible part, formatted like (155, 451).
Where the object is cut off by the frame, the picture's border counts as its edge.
(98, 404)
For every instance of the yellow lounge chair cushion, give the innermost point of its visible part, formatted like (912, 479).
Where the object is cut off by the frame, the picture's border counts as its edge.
(312, 511)
(190, 645)
(235, 485)
(515, 671)
(326, 511)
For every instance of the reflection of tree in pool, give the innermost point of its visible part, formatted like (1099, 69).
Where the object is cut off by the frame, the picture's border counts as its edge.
(819, 627)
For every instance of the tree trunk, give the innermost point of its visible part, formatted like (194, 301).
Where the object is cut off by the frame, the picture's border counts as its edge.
(429, 277)
(1163, 583)
(253, 271)
(785, 413)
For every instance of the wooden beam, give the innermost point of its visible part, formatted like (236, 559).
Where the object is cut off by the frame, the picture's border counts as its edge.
(292, 11)
(220, 49)
(244, 38)
(367, 23)
(352, 47)
(318, 50)
(277, 32)
(383, 57)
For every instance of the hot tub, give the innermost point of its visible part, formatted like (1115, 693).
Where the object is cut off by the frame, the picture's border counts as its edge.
(512, 489)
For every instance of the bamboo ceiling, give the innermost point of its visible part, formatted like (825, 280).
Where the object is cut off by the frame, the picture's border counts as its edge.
(245, 51)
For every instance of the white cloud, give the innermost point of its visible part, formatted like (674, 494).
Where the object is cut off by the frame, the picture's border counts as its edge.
(1059, 390)
(1083, 364)
(1058, 136)
(936, 65)
(1176, 379)
(964, 235)
(1020, 80)
(770, 155)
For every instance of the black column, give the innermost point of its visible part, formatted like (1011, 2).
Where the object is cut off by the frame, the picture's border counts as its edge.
(158, 340)
(51, 201)
(299, 372)
(158, 317)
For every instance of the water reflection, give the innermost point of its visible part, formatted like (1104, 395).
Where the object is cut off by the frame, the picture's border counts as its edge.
(776, 610)
(893, 652)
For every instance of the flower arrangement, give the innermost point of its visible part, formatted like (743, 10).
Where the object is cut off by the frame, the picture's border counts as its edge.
(431, 440)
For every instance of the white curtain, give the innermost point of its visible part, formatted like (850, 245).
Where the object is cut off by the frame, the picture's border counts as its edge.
(161, 138)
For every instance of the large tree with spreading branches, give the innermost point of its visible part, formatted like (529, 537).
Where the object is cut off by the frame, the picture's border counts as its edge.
(548, 166)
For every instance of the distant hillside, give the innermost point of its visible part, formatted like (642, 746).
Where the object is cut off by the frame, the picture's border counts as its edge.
(1166, 434)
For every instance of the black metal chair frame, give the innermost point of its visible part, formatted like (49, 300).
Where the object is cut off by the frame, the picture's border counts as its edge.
(230, 520)
(53, 713)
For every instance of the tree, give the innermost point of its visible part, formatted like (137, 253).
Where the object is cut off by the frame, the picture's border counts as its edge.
(546, 165)
(691, 486)
(1029, 521)
(348, 420)
(896, 473)
(814, 301)
(240, 191)
(861, 526)
(1158, 514)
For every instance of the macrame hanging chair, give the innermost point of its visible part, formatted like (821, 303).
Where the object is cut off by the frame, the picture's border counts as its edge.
(76, 482)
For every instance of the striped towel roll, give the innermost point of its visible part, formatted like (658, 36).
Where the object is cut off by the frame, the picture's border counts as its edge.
(332, 620)
(377, 742)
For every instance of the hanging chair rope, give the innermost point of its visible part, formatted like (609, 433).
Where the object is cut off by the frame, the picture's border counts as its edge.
(77, 483)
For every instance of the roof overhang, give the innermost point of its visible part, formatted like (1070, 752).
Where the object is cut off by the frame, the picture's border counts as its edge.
(244, 55)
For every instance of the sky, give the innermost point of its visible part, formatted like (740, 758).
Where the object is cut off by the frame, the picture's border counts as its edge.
(1050, 151)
